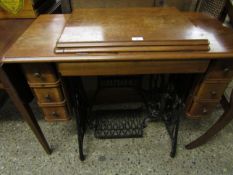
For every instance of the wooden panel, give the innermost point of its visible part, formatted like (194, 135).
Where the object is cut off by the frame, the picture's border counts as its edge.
(201, 108)
(27, 12)
(45, 31)
(131, 43)
(124, 24)
(111, 3)
(40, 73)
(129, 68)
(10, 30)
(212, 90)
(48, 95)
(133, 49)
(220, 70)
(181, 4)
(55, 113)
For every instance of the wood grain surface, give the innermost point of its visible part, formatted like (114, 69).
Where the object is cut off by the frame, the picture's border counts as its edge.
(38, 42)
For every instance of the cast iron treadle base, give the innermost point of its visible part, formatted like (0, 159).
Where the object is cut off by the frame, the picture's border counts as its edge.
(118, 123)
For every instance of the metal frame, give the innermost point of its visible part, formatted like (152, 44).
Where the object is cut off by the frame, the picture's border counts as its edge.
(167, 106)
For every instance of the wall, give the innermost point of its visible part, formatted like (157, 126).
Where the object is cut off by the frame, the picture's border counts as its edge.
(185, 5)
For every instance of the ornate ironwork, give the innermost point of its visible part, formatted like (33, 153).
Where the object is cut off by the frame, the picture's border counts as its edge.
(163, 101)
(118, 123)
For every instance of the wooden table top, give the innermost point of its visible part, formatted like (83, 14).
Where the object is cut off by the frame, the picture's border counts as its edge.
(11, 29)
(108, 30)
(127, 24)
(38, 42)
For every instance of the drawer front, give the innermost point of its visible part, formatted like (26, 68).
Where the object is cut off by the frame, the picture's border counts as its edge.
(200, 108)
(49, 95)
(40, 73)
(211, 91)
(220, 70)
(132, 67)
(55, 113)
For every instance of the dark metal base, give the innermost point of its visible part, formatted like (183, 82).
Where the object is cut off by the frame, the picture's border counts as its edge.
(118, 124)
(79, 110)
(168, 110)
(163, 103)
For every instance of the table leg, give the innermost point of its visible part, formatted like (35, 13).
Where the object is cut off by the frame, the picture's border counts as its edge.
(223, 120)
(78, 110)
(24, 109)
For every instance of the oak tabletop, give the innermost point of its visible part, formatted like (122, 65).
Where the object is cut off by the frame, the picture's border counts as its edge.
(39, 40)
(127, 24)
(10, 30)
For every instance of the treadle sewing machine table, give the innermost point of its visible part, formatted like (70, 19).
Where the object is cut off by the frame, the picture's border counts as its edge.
(44, 64)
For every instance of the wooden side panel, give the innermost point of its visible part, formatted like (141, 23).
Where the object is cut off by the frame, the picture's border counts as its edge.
(39, 73)
(211, 89)
(201, 108)
(131, 68)
(222, 70)
(48, 90)
(49, 95)
(55, 113)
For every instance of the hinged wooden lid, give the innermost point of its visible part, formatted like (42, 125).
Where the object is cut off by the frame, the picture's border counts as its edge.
(115, 30)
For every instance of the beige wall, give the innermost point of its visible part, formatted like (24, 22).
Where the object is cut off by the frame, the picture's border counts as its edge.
(180, 4)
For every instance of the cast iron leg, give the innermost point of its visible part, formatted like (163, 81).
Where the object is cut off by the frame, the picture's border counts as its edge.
(174, 138)
(80, 140)
(172, 126)
(218, 126)
(79, 111)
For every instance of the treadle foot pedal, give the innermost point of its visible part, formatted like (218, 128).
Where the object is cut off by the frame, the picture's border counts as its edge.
(118, 123)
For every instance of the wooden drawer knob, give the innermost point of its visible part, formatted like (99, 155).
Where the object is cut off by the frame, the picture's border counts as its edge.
(226, 70)
(213, 93)
(204, 111)
(55, 114)
(37, 74)
(48, 98)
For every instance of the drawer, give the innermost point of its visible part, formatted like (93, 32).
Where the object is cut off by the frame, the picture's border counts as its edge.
(132, 67)
(220, 70)
(49, 94)
(40, 73)
(55, 113)
(210, 91)
(201, 108)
